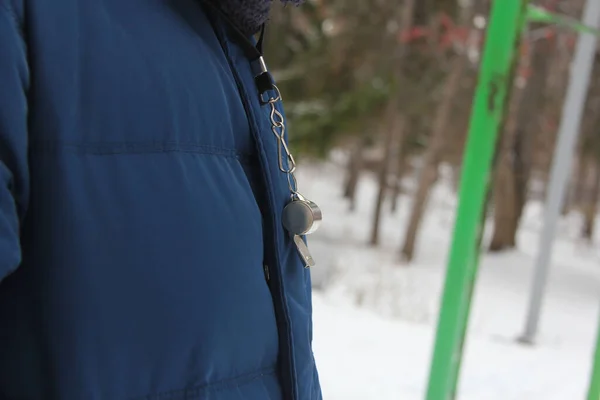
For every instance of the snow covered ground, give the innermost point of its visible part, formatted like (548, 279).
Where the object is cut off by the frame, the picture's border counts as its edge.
(375, 317)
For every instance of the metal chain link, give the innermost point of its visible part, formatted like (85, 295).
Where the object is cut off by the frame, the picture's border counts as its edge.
(283, 151)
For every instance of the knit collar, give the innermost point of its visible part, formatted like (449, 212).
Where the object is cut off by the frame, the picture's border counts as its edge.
(249, 15)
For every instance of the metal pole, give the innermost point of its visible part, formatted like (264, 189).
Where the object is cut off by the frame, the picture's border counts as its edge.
(581, 71)
(594, 389)
(499, 57)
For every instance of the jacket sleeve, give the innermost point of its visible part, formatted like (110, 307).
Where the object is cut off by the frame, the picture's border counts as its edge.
(14, 176)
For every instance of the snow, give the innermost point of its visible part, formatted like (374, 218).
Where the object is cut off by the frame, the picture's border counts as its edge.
(375, 317)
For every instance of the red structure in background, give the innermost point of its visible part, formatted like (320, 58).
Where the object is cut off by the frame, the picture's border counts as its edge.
(447, 35)
(450, 33)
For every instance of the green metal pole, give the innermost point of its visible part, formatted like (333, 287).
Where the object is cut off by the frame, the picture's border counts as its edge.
(507, 19)
(539, 14)
(594, 390)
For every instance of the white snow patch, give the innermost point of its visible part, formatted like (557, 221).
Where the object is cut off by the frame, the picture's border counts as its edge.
(375, 317)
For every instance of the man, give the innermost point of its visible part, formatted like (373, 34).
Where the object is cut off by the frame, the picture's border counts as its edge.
(142, 252)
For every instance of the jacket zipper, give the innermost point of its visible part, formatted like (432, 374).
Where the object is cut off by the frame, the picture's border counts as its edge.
(289, 378)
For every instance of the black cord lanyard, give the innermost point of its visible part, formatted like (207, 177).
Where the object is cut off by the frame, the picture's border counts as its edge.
(300, 216)
(262, 77)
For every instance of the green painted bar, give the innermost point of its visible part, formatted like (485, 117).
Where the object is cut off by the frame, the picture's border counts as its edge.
(538, 14)
(594, 389)
(498, 61)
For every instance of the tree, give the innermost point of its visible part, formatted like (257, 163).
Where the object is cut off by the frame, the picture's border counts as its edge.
(436, 143)
(514, 165)
(590, 152)
(393, 136)
(355, 164)
(590, 203)
(398, 174)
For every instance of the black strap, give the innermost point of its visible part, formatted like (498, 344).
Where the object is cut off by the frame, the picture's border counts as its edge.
(262, 77)
(261, 39)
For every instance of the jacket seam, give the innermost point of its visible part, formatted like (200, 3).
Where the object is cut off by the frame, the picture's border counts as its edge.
(15, 18)
(123, 148)
(13, 15)
(256, 130)
(214, 387)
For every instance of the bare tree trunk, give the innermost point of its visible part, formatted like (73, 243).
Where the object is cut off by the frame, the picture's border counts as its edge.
(567, 205)
(574, 193)
(523, 166)
(355, 163)
(397, 185)
(504, 184)
(503, 194)
(590, 151)
(407, 20)
(515, 164)
(580, 192)
(590, 206)
(432, 156)
(393, 132)
(504, 207)
(433, 153)
(426, 180)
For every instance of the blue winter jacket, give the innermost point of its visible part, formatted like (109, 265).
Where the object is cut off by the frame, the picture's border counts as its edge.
(142, 254)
